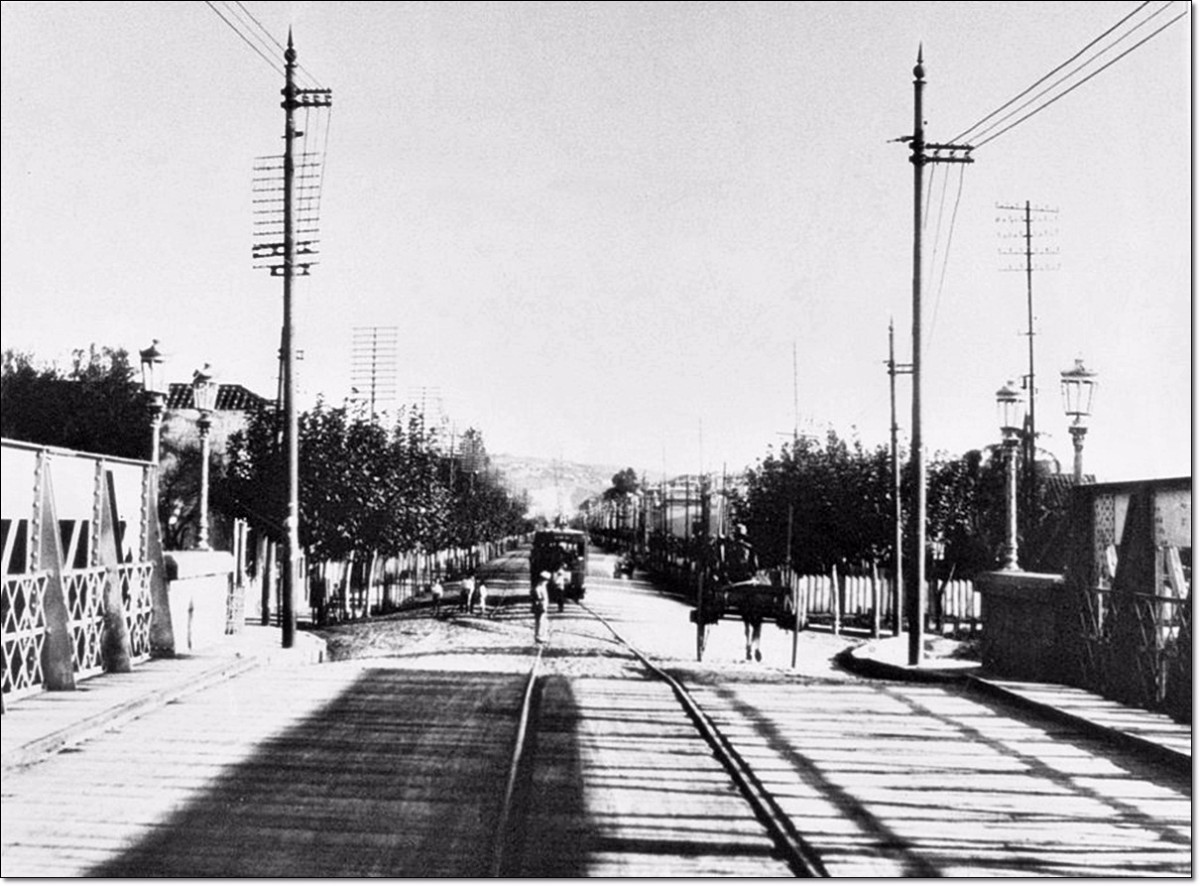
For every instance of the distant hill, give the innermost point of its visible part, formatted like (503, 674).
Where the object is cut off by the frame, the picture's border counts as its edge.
(554, 486)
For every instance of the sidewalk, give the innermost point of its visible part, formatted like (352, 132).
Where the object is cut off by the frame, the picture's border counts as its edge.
(42, 724)
(1155, 735)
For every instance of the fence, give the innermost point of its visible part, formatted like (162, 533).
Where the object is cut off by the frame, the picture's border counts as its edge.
(360, 587)
(83, 583)
(869, 600)
(1130, 580)
(863, 599)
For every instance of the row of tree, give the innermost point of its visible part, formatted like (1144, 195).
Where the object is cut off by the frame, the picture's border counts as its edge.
(839, 498)
(364, 486)
(367, 487)
(95, 404)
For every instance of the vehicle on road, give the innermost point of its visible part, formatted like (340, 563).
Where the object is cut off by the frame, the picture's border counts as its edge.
(753, 602)
(565, 549)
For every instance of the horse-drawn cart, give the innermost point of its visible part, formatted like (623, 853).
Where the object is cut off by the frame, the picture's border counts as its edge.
(751, 602)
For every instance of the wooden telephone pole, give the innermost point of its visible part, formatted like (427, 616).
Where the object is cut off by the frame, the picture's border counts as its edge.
(919, 157)
(280, 257)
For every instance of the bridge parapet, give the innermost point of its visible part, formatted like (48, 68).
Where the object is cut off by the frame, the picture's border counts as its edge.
(1119, 622)
(84, 590)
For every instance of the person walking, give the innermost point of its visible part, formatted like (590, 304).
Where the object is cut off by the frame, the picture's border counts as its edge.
(539, 599)
(436, 591)
(752, 620)
(481, 594)
(466, 594)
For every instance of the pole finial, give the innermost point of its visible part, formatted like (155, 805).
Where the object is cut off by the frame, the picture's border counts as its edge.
(919, 70)
(289, 54)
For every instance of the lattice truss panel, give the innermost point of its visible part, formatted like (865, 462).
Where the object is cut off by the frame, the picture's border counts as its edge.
(84, 590)
(1138, 632)
(135, 597)
(1104, 517)
(23, 614)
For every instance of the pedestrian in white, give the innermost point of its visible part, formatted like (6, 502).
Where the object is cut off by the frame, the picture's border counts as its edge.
(481, 593)
(539, 599)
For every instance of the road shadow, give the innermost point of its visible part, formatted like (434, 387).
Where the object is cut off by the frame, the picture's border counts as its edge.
(402, 775)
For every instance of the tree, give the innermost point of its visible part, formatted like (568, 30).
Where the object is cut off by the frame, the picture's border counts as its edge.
(624, 483)
(367, 489)
(840, 501)
(94, 406)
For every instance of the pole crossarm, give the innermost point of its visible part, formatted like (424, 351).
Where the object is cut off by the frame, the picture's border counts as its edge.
(919, 154)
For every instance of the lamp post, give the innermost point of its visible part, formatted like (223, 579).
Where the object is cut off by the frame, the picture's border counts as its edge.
(204, 396)
(1078, 387)
(1010, 408)
(152, 384)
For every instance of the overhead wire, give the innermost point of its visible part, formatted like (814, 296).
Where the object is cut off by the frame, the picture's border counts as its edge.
(1075, 86)
(246, 28)
(962, 136)
(1070, 74)
(937, 299)
(274, 65)
(973, 129)
(255, 35)
(931, 264)
(313, 81)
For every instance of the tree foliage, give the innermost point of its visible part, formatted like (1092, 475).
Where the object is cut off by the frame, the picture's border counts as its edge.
(839, 499)
(95, 405)
(624, 484)
(842, 509)
(365, 487)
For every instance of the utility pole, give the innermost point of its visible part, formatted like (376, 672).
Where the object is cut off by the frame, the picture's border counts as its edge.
(919, 157)
(1029, 435)
(280, 257)
(895, 369)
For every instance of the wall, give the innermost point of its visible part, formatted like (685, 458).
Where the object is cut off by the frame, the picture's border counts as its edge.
(199, 584)
(1026, 625)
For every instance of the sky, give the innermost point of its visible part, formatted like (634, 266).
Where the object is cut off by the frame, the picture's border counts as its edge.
(655, 235)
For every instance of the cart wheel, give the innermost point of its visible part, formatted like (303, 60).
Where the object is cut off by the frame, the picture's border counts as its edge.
(701, 640)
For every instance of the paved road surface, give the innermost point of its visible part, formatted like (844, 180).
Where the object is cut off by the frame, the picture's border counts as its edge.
(394, 765)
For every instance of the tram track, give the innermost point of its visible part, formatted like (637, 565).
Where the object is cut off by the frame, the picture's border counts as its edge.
(789, 845)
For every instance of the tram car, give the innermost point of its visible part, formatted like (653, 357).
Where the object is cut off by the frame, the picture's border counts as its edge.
(756, 600)
(565, 549)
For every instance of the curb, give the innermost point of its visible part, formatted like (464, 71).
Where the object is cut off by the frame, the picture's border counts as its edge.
(1169, 757)
(881, 670)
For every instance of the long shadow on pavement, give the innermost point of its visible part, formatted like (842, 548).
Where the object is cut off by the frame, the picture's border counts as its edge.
(400, 776)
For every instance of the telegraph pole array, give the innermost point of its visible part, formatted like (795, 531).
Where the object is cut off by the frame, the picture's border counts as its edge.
(920, 156)
(373, 363)
(279, 249)
(1029, 382)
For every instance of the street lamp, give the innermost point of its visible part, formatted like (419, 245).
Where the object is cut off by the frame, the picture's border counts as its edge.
(1078, 387)
(155, 388)
(204, 397)
(1010, 406)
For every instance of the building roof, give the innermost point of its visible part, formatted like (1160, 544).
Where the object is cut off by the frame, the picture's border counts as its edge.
(230, 398)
